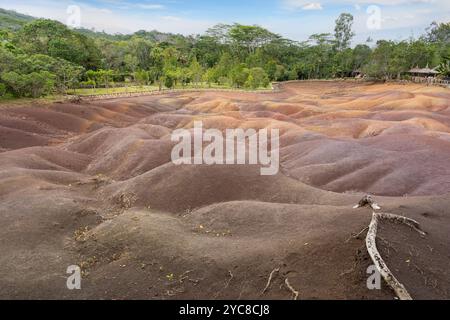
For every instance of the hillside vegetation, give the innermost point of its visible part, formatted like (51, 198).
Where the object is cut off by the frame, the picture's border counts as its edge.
(39, 56)
(12, 20)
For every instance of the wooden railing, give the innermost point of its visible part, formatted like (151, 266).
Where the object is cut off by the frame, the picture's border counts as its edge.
(275, 88)
(431, 81)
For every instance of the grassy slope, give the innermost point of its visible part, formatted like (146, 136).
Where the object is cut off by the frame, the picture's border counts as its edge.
(11, 101)
(131, 89)
(99, 91)
(12, 20)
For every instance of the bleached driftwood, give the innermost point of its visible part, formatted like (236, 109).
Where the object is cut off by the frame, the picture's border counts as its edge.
(381, 266)
(295, 293)
(367, 201)
(269, 281)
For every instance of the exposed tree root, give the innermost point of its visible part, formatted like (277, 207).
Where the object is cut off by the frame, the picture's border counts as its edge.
(357, 235)
(270, 280)
(295, 293)
(381, 266)
(230, 279)
(413, 224)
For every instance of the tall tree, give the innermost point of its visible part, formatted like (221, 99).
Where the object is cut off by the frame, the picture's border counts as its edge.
(343, 31)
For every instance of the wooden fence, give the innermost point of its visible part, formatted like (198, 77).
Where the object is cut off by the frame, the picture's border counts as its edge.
(275, 88)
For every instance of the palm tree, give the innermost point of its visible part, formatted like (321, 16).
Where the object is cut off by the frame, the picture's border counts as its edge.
(444, 67)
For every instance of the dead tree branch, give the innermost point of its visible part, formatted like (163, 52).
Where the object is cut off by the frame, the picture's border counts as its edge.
(357, 235)
(270, 280)
(381, 266)
(367, 201)
(295, 293)
(230, 279)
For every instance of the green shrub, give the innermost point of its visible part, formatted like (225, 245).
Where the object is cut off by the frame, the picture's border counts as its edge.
(168, 82)
(35, 84)
(223, 81)
(239, 75)
(257, 78)
(142, 77)
(2, 89)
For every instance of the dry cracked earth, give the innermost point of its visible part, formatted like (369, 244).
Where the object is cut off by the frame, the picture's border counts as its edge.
(92, 184)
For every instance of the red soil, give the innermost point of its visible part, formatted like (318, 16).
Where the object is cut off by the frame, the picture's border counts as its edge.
(92, 184)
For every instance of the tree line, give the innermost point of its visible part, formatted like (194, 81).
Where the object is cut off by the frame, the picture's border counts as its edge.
(44, 56)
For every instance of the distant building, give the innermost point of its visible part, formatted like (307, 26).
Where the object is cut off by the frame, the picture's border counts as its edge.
(424, 75)
(423, 72)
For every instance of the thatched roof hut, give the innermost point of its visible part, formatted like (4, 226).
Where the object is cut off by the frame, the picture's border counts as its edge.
(423, 72)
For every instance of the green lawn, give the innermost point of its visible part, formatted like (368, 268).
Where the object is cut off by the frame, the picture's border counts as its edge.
(100, 91)
(132, 89)
(5, 101)
(12, 101)
(204, 85)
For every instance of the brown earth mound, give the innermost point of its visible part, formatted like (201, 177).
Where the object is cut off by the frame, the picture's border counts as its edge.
(92, 184)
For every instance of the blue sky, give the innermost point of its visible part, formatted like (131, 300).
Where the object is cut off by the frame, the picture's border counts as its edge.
(294, 19)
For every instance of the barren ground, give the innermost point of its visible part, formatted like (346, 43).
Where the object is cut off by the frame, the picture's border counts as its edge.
(92, 184)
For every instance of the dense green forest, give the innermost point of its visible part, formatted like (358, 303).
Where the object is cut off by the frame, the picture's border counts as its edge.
(39, 56)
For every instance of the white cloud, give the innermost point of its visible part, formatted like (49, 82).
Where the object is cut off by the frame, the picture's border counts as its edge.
(312, 6)
(172, 18)
(399, 21)
(387, 2)
(299, 4)
(300, 29)
(148, 6)
(110, 20)
(295, 4)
